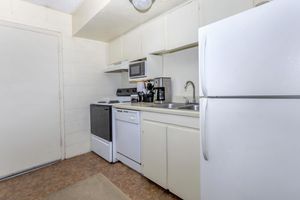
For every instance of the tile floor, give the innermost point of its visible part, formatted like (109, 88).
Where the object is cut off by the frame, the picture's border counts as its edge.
(37, 185)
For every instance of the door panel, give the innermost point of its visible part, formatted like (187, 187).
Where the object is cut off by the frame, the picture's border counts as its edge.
(128, 140)
(116, 50)
(242, 58)
(183, 162)
(154, 152)
(185, 17)
(30, 107)
(153, 39)
(253, 147)
(132, 45)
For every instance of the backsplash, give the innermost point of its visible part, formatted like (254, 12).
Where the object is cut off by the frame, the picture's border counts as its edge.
(182, 66)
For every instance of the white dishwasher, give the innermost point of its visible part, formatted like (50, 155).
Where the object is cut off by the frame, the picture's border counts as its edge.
(128, 138)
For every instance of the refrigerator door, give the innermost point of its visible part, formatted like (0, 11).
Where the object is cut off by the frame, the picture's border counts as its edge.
(250, 149)
(255, 53)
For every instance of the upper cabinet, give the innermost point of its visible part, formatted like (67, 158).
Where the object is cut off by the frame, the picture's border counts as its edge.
(182, 26)
(153, 36)
(174, 30)
(214, 10)
(132, 45)
(116, 50)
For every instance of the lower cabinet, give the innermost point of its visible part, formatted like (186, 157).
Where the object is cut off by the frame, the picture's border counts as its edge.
(183, 147)
(154, 154)
(171, 153)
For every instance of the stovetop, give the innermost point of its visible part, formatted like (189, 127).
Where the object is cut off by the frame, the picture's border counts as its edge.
(122, 96)
(110, 101)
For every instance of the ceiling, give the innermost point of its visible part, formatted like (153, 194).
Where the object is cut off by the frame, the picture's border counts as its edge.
(119, 16)
(115, 19)
(66, 6)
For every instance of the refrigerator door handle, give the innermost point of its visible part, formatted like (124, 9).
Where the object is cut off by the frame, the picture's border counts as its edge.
(203, 110)
(202, 55)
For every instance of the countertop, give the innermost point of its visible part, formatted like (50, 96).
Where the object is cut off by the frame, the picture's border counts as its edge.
(148, 107)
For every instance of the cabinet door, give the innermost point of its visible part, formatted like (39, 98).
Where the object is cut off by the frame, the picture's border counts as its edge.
(154, 152)
(133, 45)
(214, 10)
(184, 162)
(116, 50)
(153, 36)
(182, 26)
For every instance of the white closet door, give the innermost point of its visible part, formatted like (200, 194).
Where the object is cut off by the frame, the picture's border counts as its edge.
(29, 95)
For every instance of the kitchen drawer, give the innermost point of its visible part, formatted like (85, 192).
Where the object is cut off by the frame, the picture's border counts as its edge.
(184, 121)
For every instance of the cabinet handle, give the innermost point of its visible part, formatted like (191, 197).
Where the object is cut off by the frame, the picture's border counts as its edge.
(203, 109)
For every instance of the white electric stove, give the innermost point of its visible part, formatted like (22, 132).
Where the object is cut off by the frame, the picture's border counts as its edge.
(101, 115)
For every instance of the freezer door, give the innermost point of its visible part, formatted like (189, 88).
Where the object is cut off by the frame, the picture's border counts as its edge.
(252, 149)
(255, 53)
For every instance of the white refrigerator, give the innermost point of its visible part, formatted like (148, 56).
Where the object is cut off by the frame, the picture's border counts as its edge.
(250, 104)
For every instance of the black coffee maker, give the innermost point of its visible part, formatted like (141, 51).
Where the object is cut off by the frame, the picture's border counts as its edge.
(159, 95)
(162, 88)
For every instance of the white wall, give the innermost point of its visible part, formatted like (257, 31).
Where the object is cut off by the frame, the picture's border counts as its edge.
(182, 66)
(125, 81)
(83, 65)
(84, 82)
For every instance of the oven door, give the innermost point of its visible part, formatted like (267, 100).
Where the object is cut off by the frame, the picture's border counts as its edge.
(137, 69)
(101, 125)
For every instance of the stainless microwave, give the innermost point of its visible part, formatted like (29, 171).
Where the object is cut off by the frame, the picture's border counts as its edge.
(137, 69)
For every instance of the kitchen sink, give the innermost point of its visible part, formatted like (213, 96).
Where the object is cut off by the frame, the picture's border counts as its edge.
(168, 105)
(181, 106)
(194, 107)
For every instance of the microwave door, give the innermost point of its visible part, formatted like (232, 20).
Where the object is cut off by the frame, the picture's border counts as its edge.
(137, 70)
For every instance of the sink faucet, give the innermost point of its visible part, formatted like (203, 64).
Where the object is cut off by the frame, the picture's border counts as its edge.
(193, 85)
